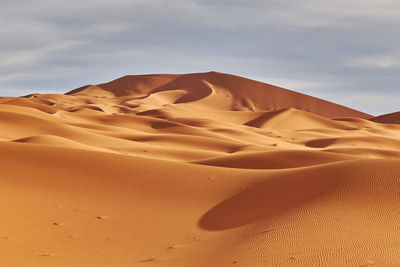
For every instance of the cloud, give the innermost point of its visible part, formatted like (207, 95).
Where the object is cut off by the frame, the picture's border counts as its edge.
(376, 102)
(33, 56)
(297, 85)
(378, 62)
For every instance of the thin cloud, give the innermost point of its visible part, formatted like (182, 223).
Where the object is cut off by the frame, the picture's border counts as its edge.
(378, 62)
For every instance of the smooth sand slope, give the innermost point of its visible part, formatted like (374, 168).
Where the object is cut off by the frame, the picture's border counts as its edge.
(388, 118)
(205, 169)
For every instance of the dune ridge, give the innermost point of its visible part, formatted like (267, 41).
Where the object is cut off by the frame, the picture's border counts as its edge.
(203, 169)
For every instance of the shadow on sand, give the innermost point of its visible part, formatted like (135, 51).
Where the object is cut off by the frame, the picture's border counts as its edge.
(269, 198)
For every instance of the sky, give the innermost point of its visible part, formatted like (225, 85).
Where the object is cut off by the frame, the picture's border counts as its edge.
(339, 50)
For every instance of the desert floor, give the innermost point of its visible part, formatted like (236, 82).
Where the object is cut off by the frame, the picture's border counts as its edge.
(196, 170)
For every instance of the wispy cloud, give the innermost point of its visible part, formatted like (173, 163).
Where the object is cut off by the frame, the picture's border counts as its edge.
(378, 62)
(298, 85)
(33, 56)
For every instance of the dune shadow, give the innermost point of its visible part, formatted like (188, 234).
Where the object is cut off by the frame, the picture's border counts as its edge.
(268, 199)
(262, 119)
(163, 124)
(321, 143)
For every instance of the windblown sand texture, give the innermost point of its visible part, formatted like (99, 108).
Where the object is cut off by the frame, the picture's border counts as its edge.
(205, 169)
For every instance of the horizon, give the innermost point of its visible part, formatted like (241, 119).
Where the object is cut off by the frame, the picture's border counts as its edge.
(148, 74)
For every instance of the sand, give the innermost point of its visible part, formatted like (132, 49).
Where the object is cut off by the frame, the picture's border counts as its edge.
(204, 169)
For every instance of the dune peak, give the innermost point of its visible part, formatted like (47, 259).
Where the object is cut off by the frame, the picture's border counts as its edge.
(220, 91)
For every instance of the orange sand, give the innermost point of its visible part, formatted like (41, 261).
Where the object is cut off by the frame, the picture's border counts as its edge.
(204, 169)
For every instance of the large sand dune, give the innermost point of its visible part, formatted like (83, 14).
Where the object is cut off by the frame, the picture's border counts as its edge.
(204, 169)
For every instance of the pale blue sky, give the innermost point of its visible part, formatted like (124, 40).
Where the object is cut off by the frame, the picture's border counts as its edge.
(343, 51)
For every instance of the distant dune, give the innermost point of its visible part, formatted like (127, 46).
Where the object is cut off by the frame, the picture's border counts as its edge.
(388, 118)
(217, 90)
(204, 169)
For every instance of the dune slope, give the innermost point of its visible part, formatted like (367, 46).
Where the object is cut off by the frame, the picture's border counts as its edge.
(388, 118)
(204, 169)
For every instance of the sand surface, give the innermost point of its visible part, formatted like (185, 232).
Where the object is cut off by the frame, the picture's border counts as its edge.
(203, 169)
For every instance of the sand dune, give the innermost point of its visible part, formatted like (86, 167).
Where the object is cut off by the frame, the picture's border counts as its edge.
(293, 119)
(205, 169)
(235, 92)
(388, 118)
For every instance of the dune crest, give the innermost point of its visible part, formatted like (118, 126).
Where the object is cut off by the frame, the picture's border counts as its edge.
(203, 169)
